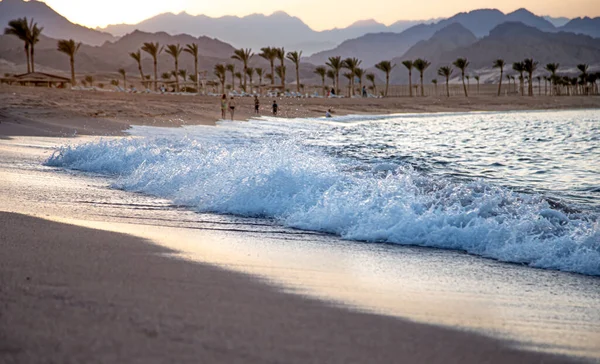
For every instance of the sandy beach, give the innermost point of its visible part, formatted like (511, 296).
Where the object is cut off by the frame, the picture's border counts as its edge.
(53, 112)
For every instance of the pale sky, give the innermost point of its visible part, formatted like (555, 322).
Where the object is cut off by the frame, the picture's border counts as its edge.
(318, 14)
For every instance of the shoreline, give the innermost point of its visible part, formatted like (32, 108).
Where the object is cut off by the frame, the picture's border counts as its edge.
(253, 320)
(29, 111)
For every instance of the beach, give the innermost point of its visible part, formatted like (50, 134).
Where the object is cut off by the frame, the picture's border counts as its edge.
(93, 272)
(54, 112)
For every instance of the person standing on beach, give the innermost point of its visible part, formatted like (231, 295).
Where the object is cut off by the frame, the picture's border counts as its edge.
(256, 105)
(231, 107)
(275, 107)
(223, 106)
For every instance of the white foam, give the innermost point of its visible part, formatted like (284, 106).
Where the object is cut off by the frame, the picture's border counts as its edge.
(301, 187)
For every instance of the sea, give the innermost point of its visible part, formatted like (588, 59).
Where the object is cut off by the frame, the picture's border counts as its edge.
(515, 187)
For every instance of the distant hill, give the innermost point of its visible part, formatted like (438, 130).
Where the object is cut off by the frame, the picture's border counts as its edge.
(557, 22)
(587, 26)
(568, 49)
(257, 30)
(372, 48)
(55, 25)
(447, 39)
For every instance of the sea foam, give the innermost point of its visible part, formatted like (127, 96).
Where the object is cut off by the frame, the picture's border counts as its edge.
(302, 187)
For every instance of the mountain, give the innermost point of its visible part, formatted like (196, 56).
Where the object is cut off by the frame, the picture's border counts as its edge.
(588, 26)
(567, 49)
(55, 25)
(114, 55)
(257, 30)
(557, 22)
(372, 48)
(444, 40)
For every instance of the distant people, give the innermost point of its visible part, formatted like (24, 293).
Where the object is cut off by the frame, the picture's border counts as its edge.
(256, 105)
(275, 107)
(223, 106)
(328, 113)
(231, 107)
(364, 91)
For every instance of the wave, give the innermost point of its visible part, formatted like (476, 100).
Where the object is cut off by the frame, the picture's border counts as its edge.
(301, 187)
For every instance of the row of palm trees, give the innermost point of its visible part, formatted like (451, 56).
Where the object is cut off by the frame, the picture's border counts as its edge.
(585, 83)
(29, 33)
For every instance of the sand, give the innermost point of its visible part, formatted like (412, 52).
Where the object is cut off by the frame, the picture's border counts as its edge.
(72, 294)
(54, 112)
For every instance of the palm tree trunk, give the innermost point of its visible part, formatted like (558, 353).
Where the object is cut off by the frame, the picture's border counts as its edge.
(245, 74)
(464, 86)
(272, 72)
(337, 82)
(176, 75)
(197, 76)
(298, 77)
(422, 90)
(500, 84)
(530, 83)
(141, 73)
(125, 82)
(32, 58)
(155, 75)
(447, 87)
(323, 84)
(387, 83)
(282, 76)
(28, 59)
(410, 83)
(73, 82)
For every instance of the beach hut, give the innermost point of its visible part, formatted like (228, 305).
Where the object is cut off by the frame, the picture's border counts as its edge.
(36, 79)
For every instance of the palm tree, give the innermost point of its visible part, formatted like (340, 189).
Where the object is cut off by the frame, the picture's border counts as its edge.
(349, 76)
(153, 49)
(174, 50)
(33, 38)
(221, 73)
(336, 65)
(539, 80)
(499, 63)
(421, 65)
(193, 50)
(231, 68)
(552, 68)
(322, 72)
(583, 68)
(530, 66)
(280, 53)
(468, 82)
(124, 74)
(20, 29)
(250, 74)
(371, 78)
(89, 80)
(137, 56)
(259, 72)
(269, 54)
(183, 74)
(360, 73)
(331, 75)
(70, 48)
(166, 76)
(446, 71)
(244, 56)
(351, 64)
(409, 66)
(476, 77)
(520, 67)
(280, 72)
(435, 83)
(462, 64)
(238, 75)
(295, 58)
(386, 67)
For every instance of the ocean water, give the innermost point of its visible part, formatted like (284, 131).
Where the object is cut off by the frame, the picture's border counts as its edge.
(520, 187)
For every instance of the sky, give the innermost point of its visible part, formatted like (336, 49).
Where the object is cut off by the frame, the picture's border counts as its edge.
(318, 14)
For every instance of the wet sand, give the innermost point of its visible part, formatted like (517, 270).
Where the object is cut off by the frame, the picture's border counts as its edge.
(75, 294)
(54, 112)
